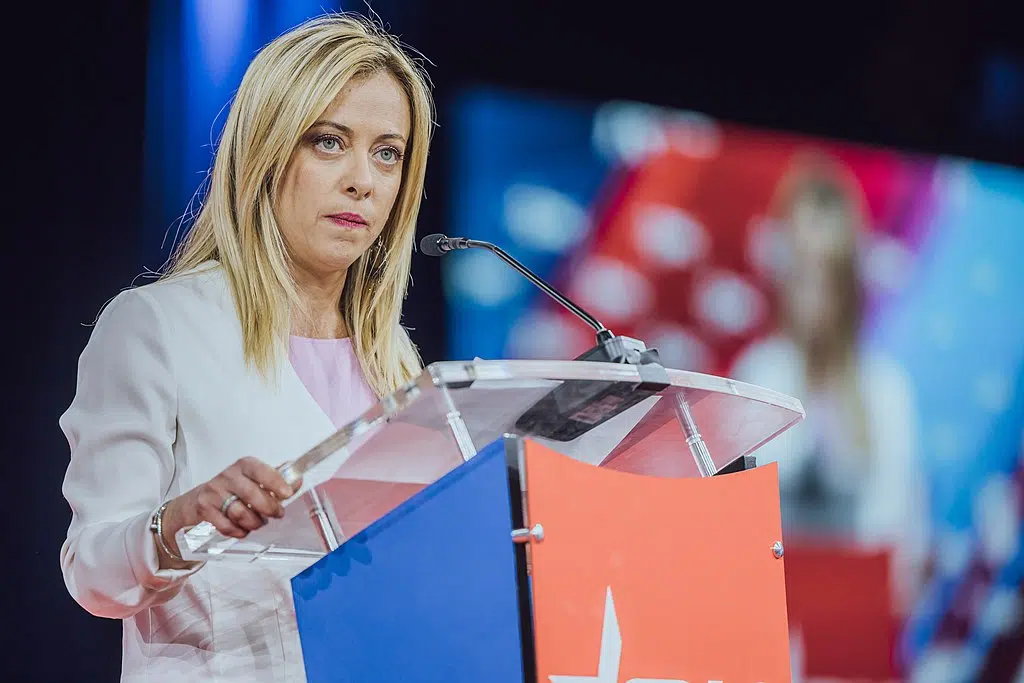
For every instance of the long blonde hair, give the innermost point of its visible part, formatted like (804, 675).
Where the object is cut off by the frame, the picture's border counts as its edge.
(288, 85)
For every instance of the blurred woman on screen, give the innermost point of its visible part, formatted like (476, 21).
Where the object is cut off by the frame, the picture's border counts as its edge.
(277, 321)
(850, 470)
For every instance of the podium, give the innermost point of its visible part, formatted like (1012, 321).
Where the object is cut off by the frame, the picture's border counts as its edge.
(562, 521)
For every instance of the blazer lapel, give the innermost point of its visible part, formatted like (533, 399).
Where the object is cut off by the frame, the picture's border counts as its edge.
(292, 420)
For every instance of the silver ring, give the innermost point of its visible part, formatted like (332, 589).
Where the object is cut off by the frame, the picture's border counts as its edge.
(227, 503)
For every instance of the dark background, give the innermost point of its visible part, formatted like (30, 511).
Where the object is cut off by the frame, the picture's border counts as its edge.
(910, 74)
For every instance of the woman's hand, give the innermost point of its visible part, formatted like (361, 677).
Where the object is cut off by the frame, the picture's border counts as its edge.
(259, 488)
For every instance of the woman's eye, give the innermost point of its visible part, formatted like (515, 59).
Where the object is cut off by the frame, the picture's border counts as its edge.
(328, 143)
(390, 155)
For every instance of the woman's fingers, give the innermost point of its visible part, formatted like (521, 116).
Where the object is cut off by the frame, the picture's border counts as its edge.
(266, 476)
(259, 490)
(244, 517)
(210, 500)
(252, 495)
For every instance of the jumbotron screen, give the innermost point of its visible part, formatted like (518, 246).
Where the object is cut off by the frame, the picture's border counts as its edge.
(881, 288)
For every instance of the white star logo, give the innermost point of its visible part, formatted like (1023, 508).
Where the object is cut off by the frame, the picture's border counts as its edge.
(611, 653)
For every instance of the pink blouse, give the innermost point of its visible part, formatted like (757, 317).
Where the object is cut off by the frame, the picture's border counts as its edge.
(331, 373)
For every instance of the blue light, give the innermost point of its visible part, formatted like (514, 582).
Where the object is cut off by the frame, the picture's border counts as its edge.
(1001, 107)
(216, 29)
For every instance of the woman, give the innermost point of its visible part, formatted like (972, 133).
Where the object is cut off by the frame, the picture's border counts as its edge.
(851, 468)
(277, 321)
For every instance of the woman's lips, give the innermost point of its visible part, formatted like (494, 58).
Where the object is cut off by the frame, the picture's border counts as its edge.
(348, 220)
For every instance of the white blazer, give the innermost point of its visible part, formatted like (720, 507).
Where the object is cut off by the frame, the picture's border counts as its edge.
(165, 402)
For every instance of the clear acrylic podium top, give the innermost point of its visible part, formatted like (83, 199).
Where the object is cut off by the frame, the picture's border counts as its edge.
(682, 424)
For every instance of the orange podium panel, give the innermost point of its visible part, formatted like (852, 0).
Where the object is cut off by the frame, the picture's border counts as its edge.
(642, 579)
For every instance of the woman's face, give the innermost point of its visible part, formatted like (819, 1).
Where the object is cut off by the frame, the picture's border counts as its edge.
(811, 290)
(342, 180)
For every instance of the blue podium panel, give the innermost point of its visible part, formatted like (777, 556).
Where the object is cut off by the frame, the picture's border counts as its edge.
(427, 593)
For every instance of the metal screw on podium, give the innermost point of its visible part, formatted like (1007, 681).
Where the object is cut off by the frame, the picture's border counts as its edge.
(534, 534)
(777, 550)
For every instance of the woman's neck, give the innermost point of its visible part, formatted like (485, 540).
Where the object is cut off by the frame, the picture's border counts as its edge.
(319, 328)
(319, 315)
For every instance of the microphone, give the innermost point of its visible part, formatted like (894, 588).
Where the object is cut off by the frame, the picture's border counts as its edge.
(439, 245)
(574, 407)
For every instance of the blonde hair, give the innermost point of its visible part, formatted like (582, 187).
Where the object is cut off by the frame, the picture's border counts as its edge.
(288, 85)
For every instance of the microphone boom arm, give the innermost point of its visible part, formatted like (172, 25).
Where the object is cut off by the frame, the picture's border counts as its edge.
(603, 333)
(574, 407)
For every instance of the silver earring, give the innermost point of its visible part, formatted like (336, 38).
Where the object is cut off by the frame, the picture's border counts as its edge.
(380, 259)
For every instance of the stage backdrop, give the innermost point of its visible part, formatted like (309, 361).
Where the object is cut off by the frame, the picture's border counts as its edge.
(881, 288)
